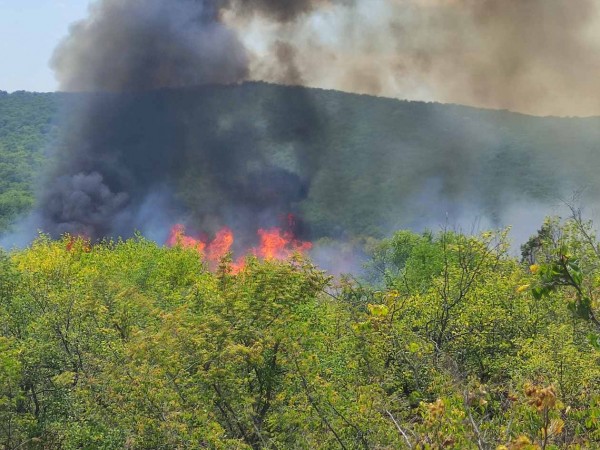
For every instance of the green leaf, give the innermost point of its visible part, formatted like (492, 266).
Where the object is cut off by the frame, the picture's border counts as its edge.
(594, 340)
(538, 292)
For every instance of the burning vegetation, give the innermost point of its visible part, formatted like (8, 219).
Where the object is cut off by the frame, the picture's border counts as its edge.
(274, 244)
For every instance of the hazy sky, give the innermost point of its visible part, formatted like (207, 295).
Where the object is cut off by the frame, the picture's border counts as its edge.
(29, 32)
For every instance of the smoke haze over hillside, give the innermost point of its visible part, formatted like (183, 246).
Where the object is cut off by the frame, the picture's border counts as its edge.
(146, 144)
(539, 57)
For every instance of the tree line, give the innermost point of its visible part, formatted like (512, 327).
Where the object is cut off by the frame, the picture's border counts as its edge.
(447, 342)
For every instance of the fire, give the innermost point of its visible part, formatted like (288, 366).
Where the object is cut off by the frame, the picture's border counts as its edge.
(177, 236)
(83, 241)
(274, 244)
(221, 245)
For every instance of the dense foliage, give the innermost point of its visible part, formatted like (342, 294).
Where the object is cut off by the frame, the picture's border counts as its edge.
(452, 344)
(26, 128)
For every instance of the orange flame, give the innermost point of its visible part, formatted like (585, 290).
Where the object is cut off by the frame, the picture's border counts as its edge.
(85, 242)
(221, 245)
(274, 244)
(177, 236)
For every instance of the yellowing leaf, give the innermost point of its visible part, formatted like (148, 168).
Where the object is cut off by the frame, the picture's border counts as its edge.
(378, 310)
(556, 427)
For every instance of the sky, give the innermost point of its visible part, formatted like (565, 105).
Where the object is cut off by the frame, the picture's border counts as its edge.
(539, 57)
(29, 32)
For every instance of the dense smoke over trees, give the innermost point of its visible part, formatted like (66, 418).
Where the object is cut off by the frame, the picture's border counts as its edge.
(129, 148)
(127, 143)
(343, 163)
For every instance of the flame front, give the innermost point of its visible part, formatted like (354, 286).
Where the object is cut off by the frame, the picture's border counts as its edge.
(274, 244)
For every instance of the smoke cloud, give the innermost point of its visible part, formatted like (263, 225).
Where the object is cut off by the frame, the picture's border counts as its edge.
(137, 45)
(279, 10)
(537, 56)
(128, 138)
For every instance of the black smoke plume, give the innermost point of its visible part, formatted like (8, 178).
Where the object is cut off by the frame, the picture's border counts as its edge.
(127, 137)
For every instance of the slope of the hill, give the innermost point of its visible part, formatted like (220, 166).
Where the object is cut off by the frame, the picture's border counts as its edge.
(25, 129)
(352, 163)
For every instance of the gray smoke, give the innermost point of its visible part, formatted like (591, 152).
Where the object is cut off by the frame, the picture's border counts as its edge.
(283, 11)
(83, 204)
(138, 45)
(539, 57)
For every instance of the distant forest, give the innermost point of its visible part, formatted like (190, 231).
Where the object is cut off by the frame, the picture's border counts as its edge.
(365, 165)
(26, 129)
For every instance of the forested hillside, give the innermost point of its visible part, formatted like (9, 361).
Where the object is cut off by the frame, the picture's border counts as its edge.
(455, 345)
(26, 129)
(344, 163)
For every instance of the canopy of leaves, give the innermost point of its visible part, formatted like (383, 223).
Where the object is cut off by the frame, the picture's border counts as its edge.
(131, 345)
